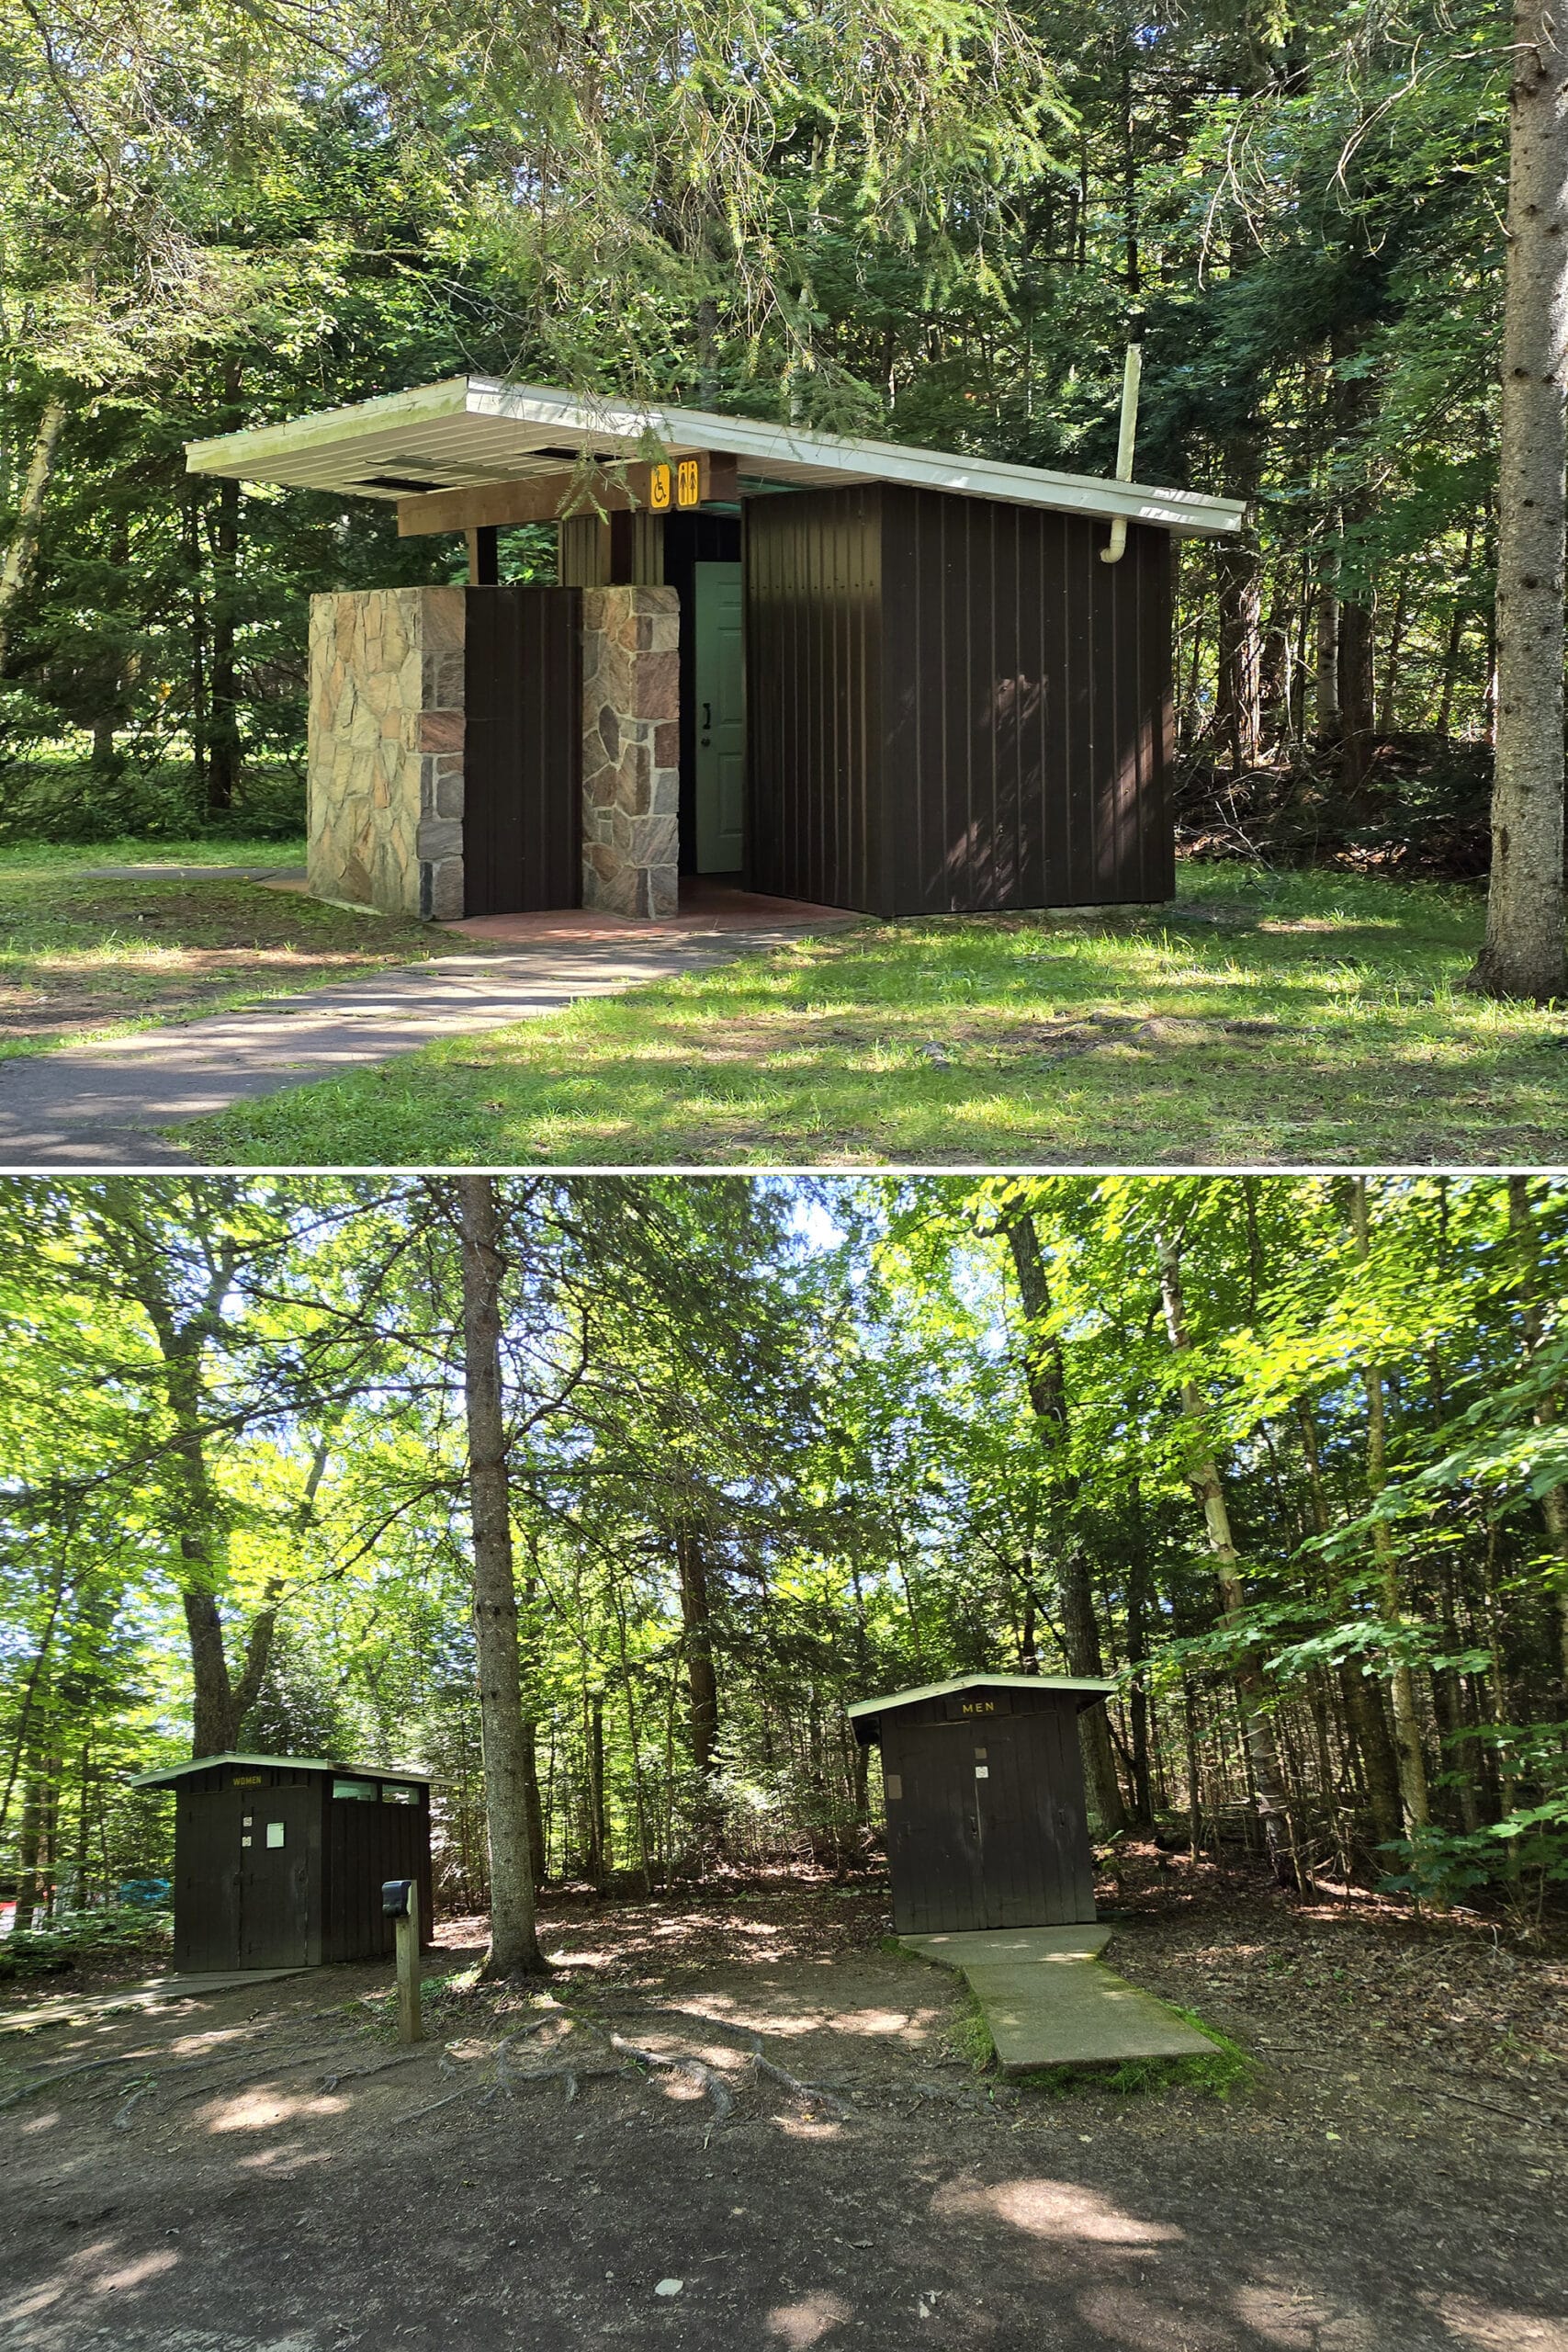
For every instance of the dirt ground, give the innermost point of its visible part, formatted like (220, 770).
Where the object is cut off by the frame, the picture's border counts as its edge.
(267, 2171)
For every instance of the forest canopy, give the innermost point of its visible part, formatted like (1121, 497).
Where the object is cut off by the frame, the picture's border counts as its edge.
(1282, 1458)
(216, 217)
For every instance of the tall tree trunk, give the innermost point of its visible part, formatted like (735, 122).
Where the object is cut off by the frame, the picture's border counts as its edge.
(1203, 1476)
(1524, 954)
(1547, 1411)
(1137, 1655)
(1388, 702)
(1363, 1705)
(1325, 671)
(16, 565)
(1413, 1796)
(696, 1617)
(1046, 1379)
(1238, 570)
(30, 1840)
(514, 1938)
(1455, 637)
(223, 707)
(597, 1840)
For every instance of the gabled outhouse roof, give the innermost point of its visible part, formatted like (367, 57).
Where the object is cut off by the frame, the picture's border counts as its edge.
(172, 1772)
(474, 431)
(865, 1713)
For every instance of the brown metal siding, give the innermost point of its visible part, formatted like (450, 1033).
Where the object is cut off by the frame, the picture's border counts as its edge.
(1027, 688)
(523, 750)
(812, 696)
(954, 706)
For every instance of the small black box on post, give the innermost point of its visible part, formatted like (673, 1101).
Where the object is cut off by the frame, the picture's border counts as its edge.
(395, 1897)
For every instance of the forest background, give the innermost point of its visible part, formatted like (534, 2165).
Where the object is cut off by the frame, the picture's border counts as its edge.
(1282, 1458)
(915, 219)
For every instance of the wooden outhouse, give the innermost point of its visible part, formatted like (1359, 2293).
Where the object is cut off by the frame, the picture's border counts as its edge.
(280, 1860)
(984, 1782)
(812, 667)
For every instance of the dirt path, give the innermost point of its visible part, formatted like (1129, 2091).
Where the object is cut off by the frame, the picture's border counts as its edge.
(269, 2173)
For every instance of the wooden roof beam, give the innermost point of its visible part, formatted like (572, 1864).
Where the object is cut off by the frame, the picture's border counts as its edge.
(679, 486)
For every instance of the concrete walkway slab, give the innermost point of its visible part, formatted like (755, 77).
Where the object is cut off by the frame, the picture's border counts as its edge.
(101, 1105)
(1049, 2001)
(149, 1995)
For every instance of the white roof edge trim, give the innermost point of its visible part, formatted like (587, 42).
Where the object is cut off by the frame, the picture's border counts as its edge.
(976, 1681)
(1186, 513)
(305, 1763)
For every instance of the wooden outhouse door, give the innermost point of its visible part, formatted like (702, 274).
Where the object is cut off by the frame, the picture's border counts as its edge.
(988, 1826)
(933, 1851)
(273, 1830)
(523, 750)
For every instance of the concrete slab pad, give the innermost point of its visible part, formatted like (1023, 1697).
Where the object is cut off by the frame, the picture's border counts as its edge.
(148, 1994)
(994, 1945)
(1049, 2000)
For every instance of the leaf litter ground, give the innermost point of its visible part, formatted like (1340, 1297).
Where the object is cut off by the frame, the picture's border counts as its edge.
(736, 2118)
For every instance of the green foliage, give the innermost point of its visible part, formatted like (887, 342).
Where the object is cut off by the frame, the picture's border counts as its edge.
(1231, 2069)
(111, 1935)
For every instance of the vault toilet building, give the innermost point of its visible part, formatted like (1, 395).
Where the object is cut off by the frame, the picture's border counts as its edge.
(841, 671)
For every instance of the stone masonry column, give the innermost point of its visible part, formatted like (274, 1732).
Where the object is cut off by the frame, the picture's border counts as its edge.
(631, 757)
(384, 763)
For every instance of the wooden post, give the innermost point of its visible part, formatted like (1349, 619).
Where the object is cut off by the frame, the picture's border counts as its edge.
(410, 2025)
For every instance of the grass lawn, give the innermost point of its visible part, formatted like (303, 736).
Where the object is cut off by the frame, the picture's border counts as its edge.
(80, 957)
(1296, 1017)
(203, 849)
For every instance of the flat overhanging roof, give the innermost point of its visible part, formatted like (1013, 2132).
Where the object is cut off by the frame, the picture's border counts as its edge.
(174, 1772)
(473, 431)
(866, 1714)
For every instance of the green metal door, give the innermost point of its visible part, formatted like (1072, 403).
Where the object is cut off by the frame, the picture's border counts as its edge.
(721, 719)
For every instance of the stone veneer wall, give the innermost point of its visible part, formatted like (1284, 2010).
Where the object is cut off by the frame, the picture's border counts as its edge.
(631, 755)
(386, 749)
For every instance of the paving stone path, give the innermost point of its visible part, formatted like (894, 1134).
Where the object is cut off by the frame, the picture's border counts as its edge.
(102, 1105)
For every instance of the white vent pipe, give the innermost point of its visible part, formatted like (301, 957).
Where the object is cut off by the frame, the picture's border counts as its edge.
(1132, 376)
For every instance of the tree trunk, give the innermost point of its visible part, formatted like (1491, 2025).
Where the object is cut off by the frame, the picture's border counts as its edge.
(1524, 954)
(513, 1941)
(597, 1840)
(1363, 1705)
(1554, 1501)
(1411, 1762)
(16, 565)
(1137, 1655)
(1045, 1378)
(1238, 571)
(696, 1617)
(223, 708)
(1388, 701)
(1203, 1476)
(1455, 639)
(1326, 673)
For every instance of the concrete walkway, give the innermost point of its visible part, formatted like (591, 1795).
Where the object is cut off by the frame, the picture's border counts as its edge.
(100, 1105)
(1049, 2002)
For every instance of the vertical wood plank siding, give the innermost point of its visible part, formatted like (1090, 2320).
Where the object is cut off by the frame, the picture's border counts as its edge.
(523, 750)
(365, 1845)
(1009, 1851)
(338, 1851)
(954, 706)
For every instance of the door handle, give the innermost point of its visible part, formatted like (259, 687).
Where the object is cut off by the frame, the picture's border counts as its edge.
(707, 717)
